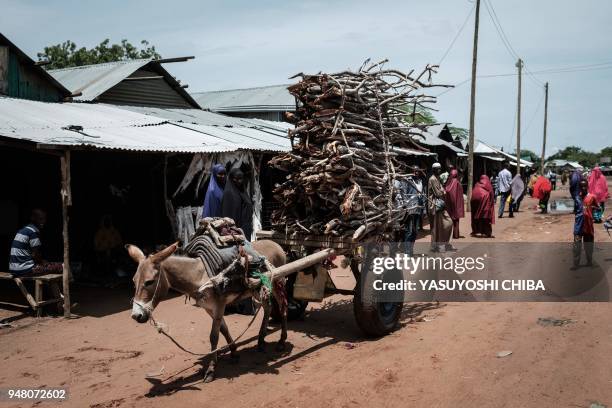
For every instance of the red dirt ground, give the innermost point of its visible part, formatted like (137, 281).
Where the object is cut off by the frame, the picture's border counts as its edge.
(442, 356)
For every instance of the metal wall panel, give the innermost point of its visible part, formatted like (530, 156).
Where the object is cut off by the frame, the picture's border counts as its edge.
(271, 116)
(150, 92)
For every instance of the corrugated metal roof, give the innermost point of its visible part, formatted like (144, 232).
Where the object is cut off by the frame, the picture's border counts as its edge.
(411, 152)
(246, 138)
(24, 114)
(562, 162)
(260, 99)
(484, 149)
(202, 117)
(431, 138)
(94, 80)
(108, 127)
(249, 133)
(494, 158)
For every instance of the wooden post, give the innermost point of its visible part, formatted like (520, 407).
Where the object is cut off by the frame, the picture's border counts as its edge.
(66, 202)
(38, 296)
(300, 264)
(519, 65)
(4, 68)
(470, 181)
(545, 123)
(168, 203)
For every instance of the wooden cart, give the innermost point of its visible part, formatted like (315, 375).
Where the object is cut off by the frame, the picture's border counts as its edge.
(314, 284)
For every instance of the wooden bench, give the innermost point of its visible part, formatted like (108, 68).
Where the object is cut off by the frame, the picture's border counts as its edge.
(36, 303)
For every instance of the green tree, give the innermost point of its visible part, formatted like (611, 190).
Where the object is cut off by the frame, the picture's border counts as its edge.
(577, 154)
(67, 54)
(461, 133)
(529, 155)
(420, 115)
(606, 152)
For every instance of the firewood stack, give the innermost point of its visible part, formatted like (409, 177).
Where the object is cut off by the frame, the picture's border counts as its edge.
(342, 165)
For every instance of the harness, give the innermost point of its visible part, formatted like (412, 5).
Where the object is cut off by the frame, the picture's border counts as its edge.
(148, 307)
(160, 327)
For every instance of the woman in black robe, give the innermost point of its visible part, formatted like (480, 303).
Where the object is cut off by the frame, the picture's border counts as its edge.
(237, 204)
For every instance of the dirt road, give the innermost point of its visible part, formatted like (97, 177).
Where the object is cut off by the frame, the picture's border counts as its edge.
(442, 356)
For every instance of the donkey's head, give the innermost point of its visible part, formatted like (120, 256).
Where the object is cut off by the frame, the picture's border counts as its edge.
(150, 281)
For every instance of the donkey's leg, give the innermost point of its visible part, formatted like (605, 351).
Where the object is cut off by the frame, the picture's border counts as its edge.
(280, 346)
(263, 330)
(217, 319)
(228, 339)
(281, 301)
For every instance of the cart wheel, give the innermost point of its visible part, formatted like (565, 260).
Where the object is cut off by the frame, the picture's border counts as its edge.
(374, 319)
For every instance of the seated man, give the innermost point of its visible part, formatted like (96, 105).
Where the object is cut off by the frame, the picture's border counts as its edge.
(26, 256)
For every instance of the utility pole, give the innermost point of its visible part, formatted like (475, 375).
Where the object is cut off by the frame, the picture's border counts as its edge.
(472, 109)
(545, 123)
(519, 65)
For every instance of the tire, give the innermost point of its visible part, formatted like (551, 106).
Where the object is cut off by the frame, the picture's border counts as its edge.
(375, 319)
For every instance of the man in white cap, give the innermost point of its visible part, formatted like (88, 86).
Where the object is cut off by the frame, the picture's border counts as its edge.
(441, 222)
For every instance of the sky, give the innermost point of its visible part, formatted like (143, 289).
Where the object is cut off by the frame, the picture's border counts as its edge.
(241, 44)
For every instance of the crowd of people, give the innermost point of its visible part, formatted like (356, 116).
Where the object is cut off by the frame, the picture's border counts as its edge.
(441, 199)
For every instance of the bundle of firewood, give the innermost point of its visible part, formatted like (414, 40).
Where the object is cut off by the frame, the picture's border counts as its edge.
(342, 164)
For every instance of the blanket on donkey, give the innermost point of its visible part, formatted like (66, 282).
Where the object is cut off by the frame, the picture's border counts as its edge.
(221, 256)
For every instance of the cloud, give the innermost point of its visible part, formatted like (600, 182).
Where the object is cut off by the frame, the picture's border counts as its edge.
(244, 43)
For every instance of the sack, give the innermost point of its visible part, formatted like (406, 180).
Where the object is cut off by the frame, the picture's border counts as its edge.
(439, 204)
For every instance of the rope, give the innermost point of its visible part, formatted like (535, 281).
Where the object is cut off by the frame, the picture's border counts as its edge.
(160, 329)
(160, 326)
(265, 280)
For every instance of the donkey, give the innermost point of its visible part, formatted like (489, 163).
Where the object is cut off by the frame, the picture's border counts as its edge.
(159, 272)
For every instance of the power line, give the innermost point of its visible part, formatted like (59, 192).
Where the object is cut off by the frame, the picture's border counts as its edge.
(504, 38)
(578, 68)
(601, 64)
(534, 114)
(500, 31)
(532, 76)
(454, 87)
(457, 35)
(566, 70)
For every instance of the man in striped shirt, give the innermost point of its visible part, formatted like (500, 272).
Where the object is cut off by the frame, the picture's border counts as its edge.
(26, 256)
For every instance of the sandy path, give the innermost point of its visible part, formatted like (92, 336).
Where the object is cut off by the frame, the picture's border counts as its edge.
(446, 360)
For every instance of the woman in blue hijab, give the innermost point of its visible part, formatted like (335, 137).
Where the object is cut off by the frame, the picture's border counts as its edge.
(214, 194)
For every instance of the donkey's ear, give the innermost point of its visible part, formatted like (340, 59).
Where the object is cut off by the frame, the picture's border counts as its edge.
(135, 252)
(164, 253)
